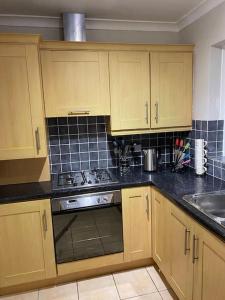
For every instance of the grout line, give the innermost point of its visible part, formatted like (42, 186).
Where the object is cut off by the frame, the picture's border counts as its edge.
(154, 281)
(116, 286)
(151, 279)
(78, 295)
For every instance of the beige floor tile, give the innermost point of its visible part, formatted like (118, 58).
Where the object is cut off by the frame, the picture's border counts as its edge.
(152, 296)
(161, 286)
(60, 292)
(134, 283)
(168, 295)
(24, 296)
(100, 288)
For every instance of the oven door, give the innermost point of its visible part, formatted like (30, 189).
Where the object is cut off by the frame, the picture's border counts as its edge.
(86, 233)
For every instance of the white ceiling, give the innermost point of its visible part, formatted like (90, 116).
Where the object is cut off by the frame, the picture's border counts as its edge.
(143, 10)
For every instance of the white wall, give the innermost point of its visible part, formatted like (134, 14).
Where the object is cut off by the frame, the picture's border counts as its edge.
(204, 33)
(126, 36)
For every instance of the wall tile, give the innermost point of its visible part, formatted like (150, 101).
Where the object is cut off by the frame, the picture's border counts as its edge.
(80, 143)
(212, 132)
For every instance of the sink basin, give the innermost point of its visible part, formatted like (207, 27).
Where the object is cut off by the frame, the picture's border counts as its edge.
(212, 204)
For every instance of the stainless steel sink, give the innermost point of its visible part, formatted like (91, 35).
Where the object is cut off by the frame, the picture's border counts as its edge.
(211, 204)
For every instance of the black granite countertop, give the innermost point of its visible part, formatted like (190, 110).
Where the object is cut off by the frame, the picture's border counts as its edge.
(173, 185)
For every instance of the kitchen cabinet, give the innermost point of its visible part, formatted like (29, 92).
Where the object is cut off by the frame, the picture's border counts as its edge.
(144, 88)
(130, 90)
(22, 129)
(136, 209)
(209, 265)
(26, 239)
(180, 231)
(171, 89)
(194, 264)
(160, 230)
(75, 83)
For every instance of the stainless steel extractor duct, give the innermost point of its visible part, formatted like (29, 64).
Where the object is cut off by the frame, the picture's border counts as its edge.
(74, 27)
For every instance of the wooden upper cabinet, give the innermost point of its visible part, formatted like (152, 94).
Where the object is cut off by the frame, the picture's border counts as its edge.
(26, 239)
(22, 130)
(171, 89)
(75, 83)
(130, 90)
(136, 205)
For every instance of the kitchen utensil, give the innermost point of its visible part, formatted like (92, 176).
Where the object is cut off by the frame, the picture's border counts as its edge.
(181, 155)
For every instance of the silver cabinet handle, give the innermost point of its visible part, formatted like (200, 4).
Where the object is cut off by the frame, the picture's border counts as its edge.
(37, 137)
(147, 209)
(78, 112)
(44, 223)
(157, 112)
(186, 238)
(135, 196)
(195, 246)
(146, 112)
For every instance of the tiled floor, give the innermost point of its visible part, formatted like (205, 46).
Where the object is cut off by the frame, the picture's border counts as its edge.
(137, 284)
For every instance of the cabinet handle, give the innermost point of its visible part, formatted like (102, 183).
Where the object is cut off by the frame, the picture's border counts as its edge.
(37, 137)
(147, 209)
(79, 112)
(157, 112)
(186, 236)
(136, 196)
(195, 246)
(146, 112)
(44, 223)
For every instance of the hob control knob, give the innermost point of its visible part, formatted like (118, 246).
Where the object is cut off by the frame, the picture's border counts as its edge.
(89, 182)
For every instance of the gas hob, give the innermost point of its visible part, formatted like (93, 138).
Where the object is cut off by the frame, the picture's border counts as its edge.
(85, 178)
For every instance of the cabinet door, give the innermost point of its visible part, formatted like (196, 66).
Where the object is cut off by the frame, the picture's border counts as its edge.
(160, 230)
(26, 239)
(171, 90)
(22, 130)
(209, 266)
(180, 252)
(136, 206)
(75, 82)
(130, 90)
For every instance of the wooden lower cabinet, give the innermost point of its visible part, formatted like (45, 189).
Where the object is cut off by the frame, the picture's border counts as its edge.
(209, 266)
(191, 258)
(26, 239)
(179, 252)
(136, 206)
(159, 230)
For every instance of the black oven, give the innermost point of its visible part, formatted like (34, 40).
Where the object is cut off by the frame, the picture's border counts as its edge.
(88, 225)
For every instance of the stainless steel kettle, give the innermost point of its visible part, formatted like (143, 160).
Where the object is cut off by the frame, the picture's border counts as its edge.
(150, 159)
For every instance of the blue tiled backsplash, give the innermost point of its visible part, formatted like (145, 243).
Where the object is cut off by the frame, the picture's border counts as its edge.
(80, 143)
(212, 132)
